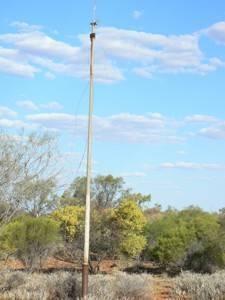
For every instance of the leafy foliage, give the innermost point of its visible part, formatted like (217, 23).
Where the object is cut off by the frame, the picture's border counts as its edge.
(129, 216)
(102, 237)
(106, 191)
(129, 221)
(75, 195)
(30, 239)
(189, 239)
(70, 219)
(132, 244)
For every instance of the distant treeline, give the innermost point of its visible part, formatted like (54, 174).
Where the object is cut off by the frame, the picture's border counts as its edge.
(36, 222)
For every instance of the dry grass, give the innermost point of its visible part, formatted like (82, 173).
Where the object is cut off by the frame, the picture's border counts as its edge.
(120, 286)
(65, 285)
(199, 286)
(20, 285)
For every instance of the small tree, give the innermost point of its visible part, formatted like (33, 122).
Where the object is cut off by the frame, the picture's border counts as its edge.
(30, 239)
(102, 238)
(71, 219)
(128, 222)
(75, 195)
(107, 191)
(71, 222)
(28, 174)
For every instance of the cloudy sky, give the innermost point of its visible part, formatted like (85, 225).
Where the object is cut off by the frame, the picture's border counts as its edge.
(159, 113)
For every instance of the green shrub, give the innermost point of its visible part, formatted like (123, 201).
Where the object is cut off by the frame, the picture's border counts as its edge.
(190, 239)
(30, 239)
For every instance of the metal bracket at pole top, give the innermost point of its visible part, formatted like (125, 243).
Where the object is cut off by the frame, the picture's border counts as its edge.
(93, 25)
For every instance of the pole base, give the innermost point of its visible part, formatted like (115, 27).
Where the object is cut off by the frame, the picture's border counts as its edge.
(84, 281)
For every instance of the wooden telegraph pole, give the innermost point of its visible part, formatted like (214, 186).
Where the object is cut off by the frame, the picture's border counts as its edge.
(88, 171)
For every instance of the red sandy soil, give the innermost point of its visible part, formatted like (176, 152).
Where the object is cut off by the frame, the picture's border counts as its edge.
(106, 266)
(161, 289)
(50, 263)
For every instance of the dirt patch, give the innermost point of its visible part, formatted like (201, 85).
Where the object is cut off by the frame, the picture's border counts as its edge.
(12, 264)
(161, 289)
(48, 264)
(53, 263)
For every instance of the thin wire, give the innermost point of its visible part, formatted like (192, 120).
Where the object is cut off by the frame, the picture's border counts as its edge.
(81, 161)
(76, 127)
(81, 98)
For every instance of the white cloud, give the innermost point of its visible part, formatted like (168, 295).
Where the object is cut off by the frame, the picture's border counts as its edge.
(200, 119)
(216, 32)
(136, 128)
(191, 166)
(16, 124)
(32, 51)
(13, 62)
(104, 72)
(7, 112)
(50, 75)
(12, 67)
(51, 117)
(9, 53)
(150, 128)
(23, 26)
(27, 104)
(52, 105)
(214, 132)
(156, 53)
(38, 43)
(143, 72)
(30, 105)
(53, 121)
(181, 152)
(133, 174)
(126, 127)
(137, 14)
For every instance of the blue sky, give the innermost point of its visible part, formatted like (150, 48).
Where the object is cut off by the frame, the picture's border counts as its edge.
(159, 115)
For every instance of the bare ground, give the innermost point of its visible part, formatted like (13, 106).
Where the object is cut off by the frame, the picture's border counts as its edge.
(161, 289)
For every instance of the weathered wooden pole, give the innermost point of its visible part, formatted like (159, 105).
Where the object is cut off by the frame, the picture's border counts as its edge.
(88, 170)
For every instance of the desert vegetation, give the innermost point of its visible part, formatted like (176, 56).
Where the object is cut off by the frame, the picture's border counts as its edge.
(199, 286)
(37, 221)
(67, 285)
